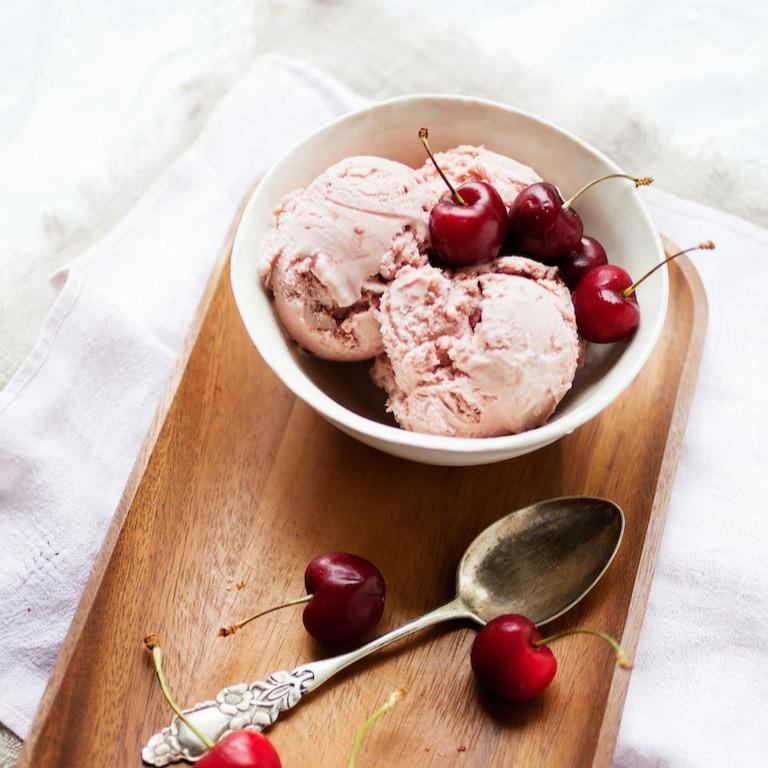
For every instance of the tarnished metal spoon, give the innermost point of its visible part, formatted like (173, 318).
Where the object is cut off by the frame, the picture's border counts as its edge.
(539, 561)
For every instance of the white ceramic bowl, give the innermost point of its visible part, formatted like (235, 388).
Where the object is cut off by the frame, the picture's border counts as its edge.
(342, 392)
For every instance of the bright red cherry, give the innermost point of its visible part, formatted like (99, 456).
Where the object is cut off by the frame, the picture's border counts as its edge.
(544, 227)
(588, 254)
(606, 310)
(467, 225)
(241, 749)
(507, 662)
(605, 302)
(512, 660)
(345, 598)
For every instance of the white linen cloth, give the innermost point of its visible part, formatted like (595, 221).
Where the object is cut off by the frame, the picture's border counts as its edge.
(73, 417)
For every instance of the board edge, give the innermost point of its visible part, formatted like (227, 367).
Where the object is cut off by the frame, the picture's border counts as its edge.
(90, 591)
(614, 706)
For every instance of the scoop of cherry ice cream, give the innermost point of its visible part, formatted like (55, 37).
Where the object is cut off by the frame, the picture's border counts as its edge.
(478, 352)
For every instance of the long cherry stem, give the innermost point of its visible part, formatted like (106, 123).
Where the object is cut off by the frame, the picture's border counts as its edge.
(395, 697)
(706, 246)
(621, 659)
(423, 136)
(232, 628)
(640, 181)
(152, 642)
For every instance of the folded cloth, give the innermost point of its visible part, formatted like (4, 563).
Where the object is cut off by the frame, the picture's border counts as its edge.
(73, 418)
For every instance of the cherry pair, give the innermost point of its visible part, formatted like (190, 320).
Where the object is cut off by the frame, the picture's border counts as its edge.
(471, 224)
(344, 600)
(511, 659)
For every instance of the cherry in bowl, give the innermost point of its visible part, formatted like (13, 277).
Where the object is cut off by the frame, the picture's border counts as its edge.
(587, 255)
(544, 226)
(605, 300)
(468, 224)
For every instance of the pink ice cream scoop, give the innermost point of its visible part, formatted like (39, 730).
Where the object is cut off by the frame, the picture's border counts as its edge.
(475, 163)
(485, 351)
(335, 244)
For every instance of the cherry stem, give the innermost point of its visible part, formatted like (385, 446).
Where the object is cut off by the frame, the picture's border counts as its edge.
(394, 697)
(232, 628)
(152, 642)
(621, 659)
(707, 246)
(640, 181)
(423, 136)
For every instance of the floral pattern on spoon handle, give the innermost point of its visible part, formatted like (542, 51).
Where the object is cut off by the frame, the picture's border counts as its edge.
(254, 706)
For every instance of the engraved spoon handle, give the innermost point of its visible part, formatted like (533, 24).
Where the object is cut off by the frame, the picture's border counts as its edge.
(257, 705)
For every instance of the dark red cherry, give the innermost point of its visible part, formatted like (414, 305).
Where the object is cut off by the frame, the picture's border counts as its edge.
(472, 232)
(347, 597)
(467, 225)
(540, 226)
(344, 600)
(588, 254)
(506, 661)
(605, 310)
(544, 227)
(241, 749)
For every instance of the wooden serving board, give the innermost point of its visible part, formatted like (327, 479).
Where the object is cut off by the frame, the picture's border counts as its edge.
(239, 483)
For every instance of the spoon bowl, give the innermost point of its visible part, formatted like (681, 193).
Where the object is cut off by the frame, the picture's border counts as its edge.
(540, 560)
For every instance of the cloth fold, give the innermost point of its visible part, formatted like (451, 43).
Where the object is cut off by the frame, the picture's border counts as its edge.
(74, 416)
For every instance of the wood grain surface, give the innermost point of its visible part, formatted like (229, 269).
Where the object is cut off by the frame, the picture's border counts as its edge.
(241, 483)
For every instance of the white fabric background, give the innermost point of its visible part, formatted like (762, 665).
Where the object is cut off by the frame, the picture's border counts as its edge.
(95, 102)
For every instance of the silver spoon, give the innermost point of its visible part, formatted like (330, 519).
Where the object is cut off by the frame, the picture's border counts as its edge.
(538, 561)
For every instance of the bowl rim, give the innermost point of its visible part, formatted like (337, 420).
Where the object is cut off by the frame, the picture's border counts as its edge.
(351, 421)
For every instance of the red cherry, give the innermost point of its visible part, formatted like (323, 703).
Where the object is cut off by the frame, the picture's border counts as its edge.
(588, 254)
(347, 597)
(472, 232)
(467, 226)
(241, 749)
(506, 661)
(541, 225)
(604, 311)
(605, 302)
(511, 659)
